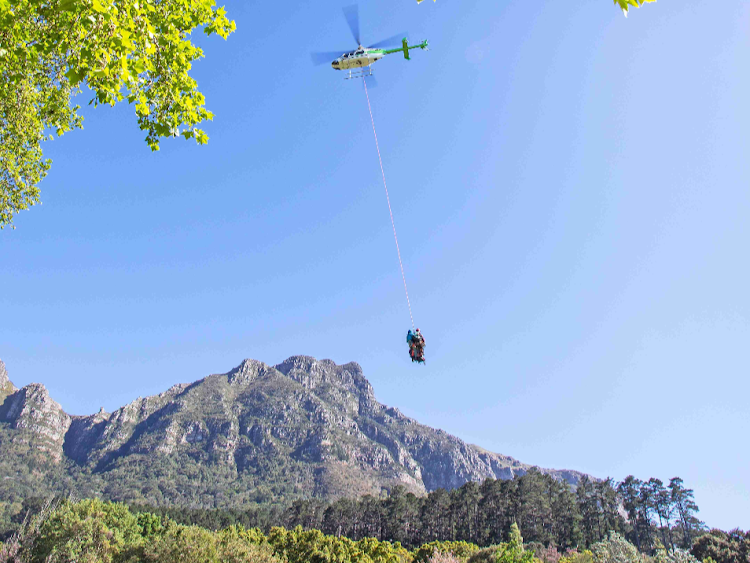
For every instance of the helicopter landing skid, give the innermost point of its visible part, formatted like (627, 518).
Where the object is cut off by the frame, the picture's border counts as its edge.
(359, 73)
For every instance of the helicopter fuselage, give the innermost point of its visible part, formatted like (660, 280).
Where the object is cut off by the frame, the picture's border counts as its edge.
(358, 59)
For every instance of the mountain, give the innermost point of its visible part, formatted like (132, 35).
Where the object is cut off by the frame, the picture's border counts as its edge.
(258, 433)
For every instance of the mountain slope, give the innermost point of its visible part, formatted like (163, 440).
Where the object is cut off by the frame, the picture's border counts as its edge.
(255, 434)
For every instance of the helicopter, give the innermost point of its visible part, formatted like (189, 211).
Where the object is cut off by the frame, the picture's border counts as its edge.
(359, 61)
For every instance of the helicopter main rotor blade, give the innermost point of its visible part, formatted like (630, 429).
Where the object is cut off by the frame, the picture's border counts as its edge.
(327, 57)
(351, 13)
(395, 40)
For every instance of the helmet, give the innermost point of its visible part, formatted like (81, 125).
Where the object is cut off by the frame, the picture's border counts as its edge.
(417, 330)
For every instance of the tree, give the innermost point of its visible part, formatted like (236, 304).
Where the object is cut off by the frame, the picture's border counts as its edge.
(675, 556)
(88, 531)
(435, 517)
(625, 4)
(684, 505)
(609, 505)
(645, 509)
(535, 511)
(466, 510)
(723, 547)
(137, 50)
(661, 503)
(629, 491)
(565, 517)
(514, 551)
(589, 510)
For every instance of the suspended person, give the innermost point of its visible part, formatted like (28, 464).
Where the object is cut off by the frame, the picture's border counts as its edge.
(412, 344)
(416, 346)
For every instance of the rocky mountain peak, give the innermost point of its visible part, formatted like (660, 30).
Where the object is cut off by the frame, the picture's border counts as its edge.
(312, 373)
(248, 371)
(32, 409)
(257, 433)
(6, 385)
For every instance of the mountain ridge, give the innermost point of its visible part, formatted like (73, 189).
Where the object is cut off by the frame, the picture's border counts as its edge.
(257, 433)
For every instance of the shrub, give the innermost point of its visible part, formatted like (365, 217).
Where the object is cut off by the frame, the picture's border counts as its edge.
(574, 556)
(616, 549)
(313, 546)
(461, 550)
(548, 554)
(723, 547)
(511, 552)
(677, 556)
(487, 554)
(444, 557)
(89, 531)
(182, 544)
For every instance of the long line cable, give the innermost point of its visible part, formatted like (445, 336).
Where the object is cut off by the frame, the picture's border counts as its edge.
(388, 199)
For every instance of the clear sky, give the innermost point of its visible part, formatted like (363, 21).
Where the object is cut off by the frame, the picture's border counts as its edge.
(571, 191)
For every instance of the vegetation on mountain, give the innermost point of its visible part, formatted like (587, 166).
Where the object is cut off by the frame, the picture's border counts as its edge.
(255, 435)
(303, 453)
(105, 532)
(306, 444)
(723, 547)
(546, 511)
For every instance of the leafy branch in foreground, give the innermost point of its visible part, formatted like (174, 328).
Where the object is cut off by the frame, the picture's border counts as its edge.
(625, 4)
(139, 50)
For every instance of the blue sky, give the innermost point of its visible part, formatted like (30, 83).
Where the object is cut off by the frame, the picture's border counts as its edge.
(570, 190)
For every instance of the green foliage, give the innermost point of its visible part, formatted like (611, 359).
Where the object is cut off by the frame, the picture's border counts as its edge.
(95, 531)
(547, 554)
(88, 531)
(440, 557)
(547, 512)
(20, 545)
(514, 551)
(139, 50)
(182, 544)
(460, 549)
(192, 544)
(675, 556)
(723, 547)
(150, 524)
(625, 4)
(578, 557)
(616, 549)
(313, 546)
(487, 554)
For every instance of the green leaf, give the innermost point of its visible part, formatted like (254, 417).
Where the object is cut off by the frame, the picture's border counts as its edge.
(75, 76)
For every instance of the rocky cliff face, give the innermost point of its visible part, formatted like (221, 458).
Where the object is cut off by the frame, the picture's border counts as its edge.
(6, 387)
(33, 411)
(257, 433)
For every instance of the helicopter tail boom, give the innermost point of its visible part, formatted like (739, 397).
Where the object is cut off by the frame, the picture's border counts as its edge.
(406, 47)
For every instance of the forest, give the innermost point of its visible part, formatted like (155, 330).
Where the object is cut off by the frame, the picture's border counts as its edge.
(547, 511)
(530, 519)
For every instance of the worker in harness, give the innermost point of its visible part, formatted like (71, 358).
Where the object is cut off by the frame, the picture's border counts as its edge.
(416, 343)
